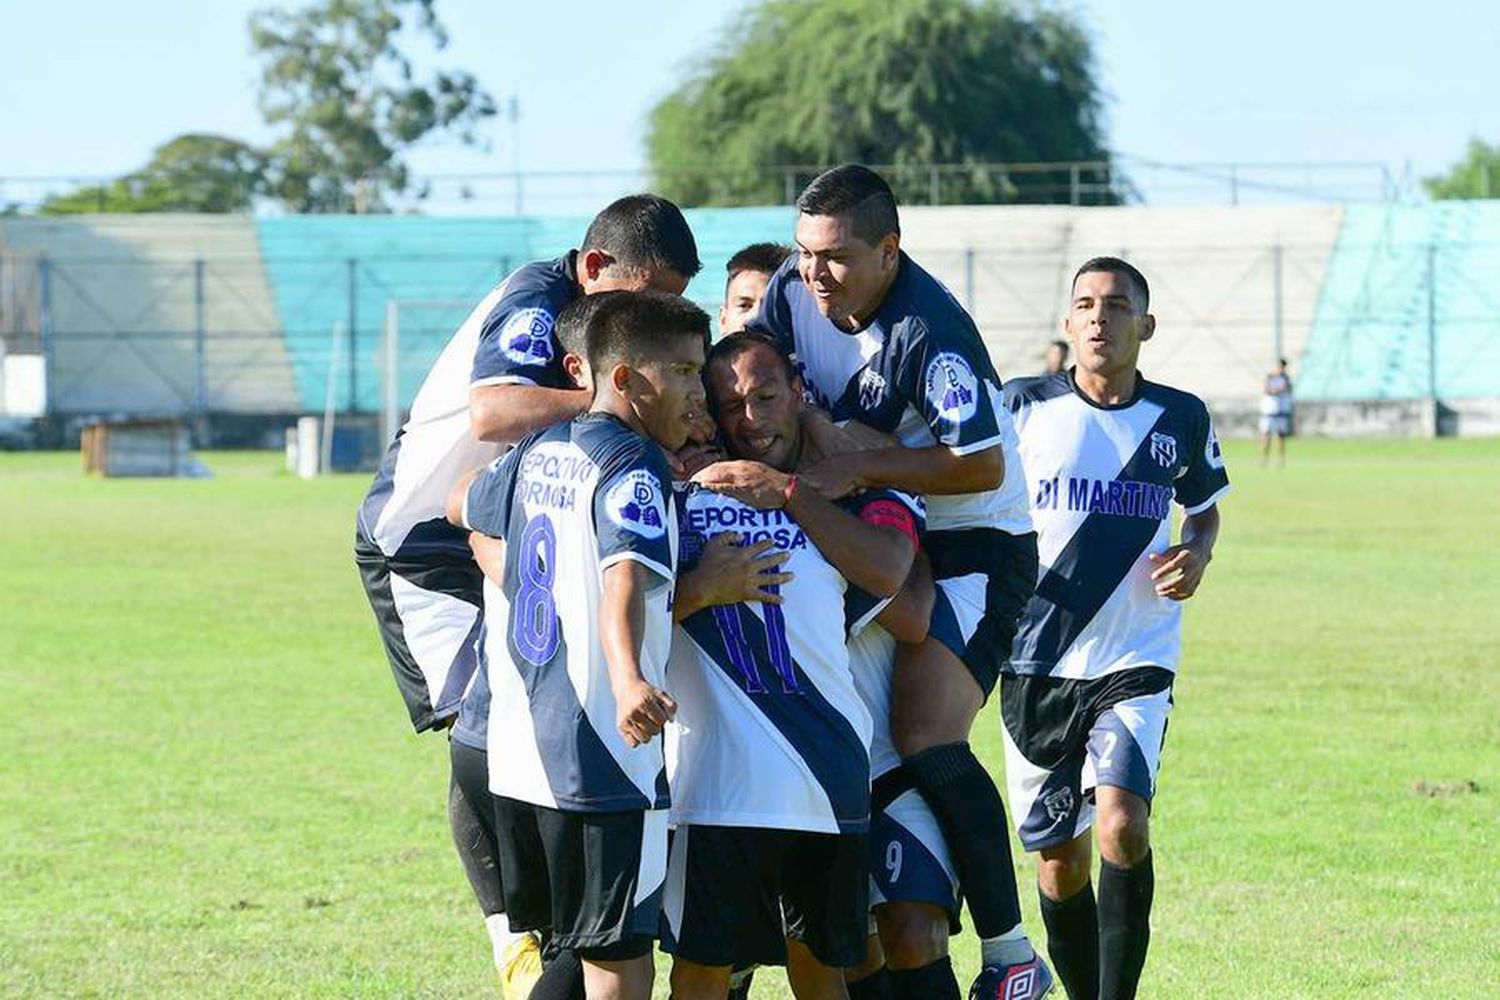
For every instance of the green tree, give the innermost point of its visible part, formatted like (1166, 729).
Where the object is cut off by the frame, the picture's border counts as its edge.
(338, 76)
(1477, 175)
(191, 173)
(902, 83)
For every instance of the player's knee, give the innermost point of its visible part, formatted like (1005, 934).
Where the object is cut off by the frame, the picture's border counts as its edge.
(691, 981)
(912, 937)
(1063, 875)
(1124, 835)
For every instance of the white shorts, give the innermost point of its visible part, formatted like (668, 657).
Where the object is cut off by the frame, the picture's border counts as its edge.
(1279, 424)
(909, 860)
(1064, 738)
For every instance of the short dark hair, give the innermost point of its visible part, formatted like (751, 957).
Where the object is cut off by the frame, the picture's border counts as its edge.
(855, 191)
(1061, 344)
(645, 232)
(762, 258)
(634, 327)
(572, 327)
(1114, 265)
(727, 349)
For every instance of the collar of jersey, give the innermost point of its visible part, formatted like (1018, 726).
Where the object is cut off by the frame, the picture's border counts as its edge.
(1140, 383)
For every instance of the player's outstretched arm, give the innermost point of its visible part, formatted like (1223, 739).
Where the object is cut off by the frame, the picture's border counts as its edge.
(934, 470)
(1179, 570)
(489, 553)
(729, 573)
(504, 414)
(453, 508)
(872, 556)
(641, 709)
(909, 613)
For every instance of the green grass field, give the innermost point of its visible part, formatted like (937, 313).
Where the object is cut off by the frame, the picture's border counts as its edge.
(209, 787)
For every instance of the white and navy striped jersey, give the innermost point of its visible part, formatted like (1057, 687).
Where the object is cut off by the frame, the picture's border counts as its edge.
(569, 502)
(507, 339)
(1102, 482)
(918, 371)
(771, 732)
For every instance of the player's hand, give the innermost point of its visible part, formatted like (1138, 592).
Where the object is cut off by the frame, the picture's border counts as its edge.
(833, 477)
(751, 483)
(691, 458)
(1178, 571)
(641, 711)
(733, 573)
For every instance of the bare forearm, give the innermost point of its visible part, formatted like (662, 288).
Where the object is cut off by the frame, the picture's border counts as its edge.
(1201, 531)
(622, 621)
(454, 507)
(504, 414)
(874, 558)
(928, 471)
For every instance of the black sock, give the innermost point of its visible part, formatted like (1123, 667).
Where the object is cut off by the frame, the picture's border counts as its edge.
(1124, 926)
(967, 805)
(1073, 941)
(562, 978)
(873, 987)
(934, 981)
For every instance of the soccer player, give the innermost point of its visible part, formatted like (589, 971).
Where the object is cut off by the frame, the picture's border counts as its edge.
(1276, 412)
(749, 270)
(1105, 453)
(500, 376)
(576, 643)
(879, 340)
(769, 762)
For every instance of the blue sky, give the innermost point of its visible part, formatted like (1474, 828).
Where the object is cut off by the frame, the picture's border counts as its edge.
(91, 87)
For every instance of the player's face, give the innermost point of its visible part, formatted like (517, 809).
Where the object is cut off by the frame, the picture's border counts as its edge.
(756, 408)
(1056, 359)
(742, 300)
(669, 393)
(1103, 324)
(847, 276)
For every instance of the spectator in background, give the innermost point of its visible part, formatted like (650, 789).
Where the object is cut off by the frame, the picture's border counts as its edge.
(1276, 412)
(1056, 358)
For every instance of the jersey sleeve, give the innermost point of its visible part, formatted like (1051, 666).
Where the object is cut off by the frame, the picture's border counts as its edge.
(632, 504)
(518, 344)
(487, 504)
(1204, 480)
(774, 319)
(944, 377)
(891, 509)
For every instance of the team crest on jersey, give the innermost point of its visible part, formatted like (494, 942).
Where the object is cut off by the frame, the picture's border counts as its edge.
(1211, 453)
(1164, 449)
(1058, 803)
(871, 389)
(952, 390)
(635, 504)
(526, 337)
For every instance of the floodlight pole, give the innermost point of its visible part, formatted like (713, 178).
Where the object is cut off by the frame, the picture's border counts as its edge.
(1432, 360)
(1277, 301)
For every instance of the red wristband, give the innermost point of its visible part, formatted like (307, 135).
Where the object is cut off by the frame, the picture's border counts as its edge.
(791, 487)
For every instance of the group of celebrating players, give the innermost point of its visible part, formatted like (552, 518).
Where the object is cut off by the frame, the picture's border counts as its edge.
(708, 622)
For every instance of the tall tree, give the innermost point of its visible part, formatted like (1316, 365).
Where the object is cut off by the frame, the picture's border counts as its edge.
(908, 83)
(191, 173)
(1477, 175)
(338, 75)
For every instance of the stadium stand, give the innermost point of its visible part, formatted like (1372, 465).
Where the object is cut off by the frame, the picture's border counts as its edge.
(124, 310)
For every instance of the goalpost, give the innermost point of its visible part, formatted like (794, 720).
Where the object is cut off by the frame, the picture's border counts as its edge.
(414, 334)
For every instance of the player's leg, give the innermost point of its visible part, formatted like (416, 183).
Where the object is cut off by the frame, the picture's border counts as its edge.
(825, 905)
(1071, 914)
(721, 906)
(1124, 753)
(869, 980)
(914, 937)
(471, 817)
(937, 690)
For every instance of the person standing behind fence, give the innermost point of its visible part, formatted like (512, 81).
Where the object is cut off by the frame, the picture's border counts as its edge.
(1276, 412)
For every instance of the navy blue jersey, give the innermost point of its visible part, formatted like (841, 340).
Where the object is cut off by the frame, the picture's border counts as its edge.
(570, 501)
(1102, 482)
(918, 370)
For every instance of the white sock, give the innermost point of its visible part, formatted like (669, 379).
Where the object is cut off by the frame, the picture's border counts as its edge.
(501, 936)
(1010, 948)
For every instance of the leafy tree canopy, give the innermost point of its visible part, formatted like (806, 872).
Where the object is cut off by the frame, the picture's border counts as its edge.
(191, 173)
(908, 83)
(1477, 175)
